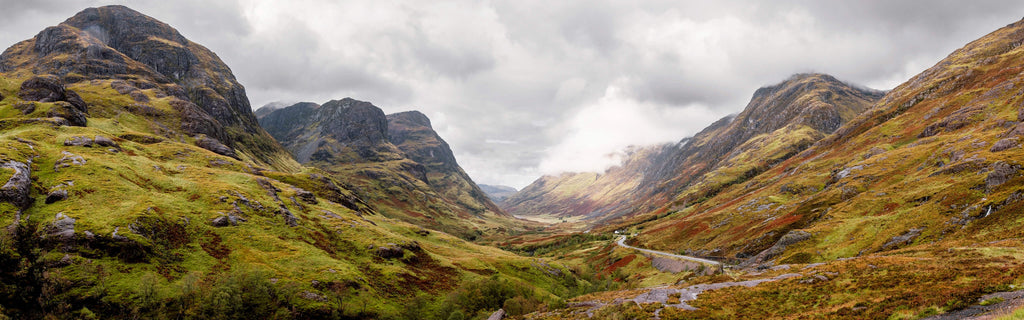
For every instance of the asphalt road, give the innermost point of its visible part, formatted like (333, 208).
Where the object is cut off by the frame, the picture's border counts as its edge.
(622, 243)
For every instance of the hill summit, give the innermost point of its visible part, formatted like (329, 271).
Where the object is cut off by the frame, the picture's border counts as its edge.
(139, 53)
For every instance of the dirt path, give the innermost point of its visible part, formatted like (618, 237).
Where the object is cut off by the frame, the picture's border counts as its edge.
(622, 243)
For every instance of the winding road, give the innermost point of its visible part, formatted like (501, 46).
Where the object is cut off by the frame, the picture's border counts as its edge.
(622, 243)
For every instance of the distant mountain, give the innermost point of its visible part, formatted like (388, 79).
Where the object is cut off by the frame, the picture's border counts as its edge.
(498, 193)
(397, 161)
(270, 107)
(779, 122)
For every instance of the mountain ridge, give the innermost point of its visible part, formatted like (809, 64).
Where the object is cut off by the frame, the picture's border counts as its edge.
(398, 159)
(785, 118)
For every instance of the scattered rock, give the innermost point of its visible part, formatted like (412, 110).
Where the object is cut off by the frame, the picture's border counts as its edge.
(903, 239)
(56, 195)
(847, 171)
(62, 226)
(390, 251)
(138, 96)
(497, 315)
(790, 238)
(106, 142)
(873, 152)
(215, 145)
(78, 141)
(312, 296)
(1004, 144)
(221, 221)
(226, 220)
(16, 190)
(289, 218)
(25, 107)
(305, 196)
(68, 159)
(1000, 174)
(67, 111)
(423, 232)
(813, 279)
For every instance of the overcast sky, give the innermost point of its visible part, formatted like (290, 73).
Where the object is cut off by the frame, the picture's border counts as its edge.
(524, 88)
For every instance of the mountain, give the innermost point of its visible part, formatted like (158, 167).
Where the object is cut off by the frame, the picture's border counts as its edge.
(268, 108)
(136, 183)
(910, 209)
(497, 193)
(396, 161)
(148, 59)
(412, 133)
(778, 122)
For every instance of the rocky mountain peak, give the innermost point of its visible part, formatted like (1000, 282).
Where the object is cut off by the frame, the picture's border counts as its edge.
(309, 130)
(411, 118)
(135, 52)
(355, 121)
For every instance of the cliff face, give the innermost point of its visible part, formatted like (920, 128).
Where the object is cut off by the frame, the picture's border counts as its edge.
(142, 53)
(397, 160)
(779, 122)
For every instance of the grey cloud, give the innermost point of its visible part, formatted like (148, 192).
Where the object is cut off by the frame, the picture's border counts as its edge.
(523, 70)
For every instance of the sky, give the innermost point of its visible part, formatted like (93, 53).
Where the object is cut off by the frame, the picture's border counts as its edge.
(523, 88)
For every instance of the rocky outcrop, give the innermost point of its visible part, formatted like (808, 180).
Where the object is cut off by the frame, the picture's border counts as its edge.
(214, 145)
(903, 239)
(68, 159)
(790, 238)
(1004, 144)
(63, 227)
(56, 195)
(50, 88)
(1000, 173)
(18, 187)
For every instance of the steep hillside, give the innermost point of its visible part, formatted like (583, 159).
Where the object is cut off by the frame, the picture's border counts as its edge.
(140, 188)
(411, 132)
(397, 162)
(147, 59)
(914, 205)
(779, 122)
(932, 158)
